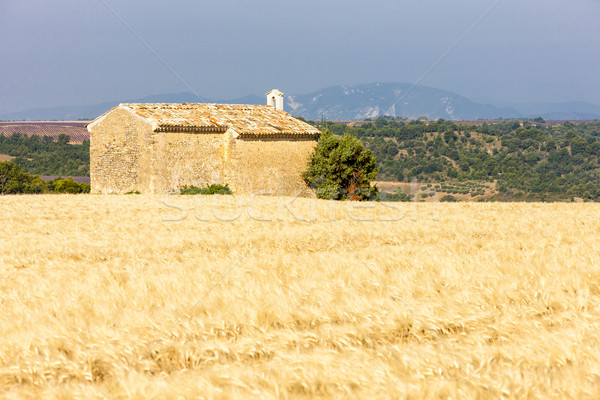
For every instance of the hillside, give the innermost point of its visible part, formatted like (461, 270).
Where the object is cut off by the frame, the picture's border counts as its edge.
(506, 160)
(350, 102)
(47, 155)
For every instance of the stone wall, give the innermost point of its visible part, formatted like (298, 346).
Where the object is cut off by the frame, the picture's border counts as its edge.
(115, 151)
(184, 159)
(270, 166)
(127, 155)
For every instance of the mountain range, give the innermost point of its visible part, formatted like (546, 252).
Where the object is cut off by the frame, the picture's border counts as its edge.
(349, 102)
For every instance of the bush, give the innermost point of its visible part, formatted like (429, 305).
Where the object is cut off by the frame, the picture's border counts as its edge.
(448, 198)
(68, 185)
(211, 189)
(398, 195)
(190, 190)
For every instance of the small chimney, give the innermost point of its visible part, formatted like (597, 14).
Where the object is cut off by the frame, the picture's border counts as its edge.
(275, 99)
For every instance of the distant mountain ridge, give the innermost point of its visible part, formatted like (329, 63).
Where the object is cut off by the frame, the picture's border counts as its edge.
(349, 102)
(393, 99)
(572, 110)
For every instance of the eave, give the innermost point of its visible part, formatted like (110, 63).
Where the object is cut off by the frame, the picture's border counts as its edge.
(192, 129)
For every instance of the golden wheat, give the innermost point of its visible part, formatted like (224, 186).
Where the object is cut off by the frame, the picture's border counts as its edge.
(135, 297)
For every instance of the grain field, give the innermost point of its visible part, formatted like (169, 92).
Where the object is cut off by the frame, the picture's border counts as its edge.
(138, 297)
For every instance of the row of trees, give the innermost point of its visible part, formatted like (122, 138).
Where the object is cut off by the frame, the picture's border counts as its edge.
(13, 180)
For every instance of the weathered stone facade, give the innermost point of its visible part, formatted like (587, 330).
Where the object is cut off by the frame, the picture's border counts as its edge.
(132, 152)
(269, 166)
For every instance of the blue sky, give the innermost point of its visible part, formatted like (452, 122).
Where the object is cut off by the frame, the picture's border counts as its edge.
(79, 52)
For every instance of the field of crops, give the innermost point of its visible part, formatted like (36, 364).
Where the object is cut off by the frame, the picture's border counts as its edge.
(75, 129)
(137, 297)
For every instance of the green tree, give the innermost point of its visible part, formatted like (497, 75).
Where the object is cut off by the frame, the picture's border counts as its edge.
(63, 139)
(13, 180)
(68, 185)
(6, 171)
(341, 169)
(11, 177)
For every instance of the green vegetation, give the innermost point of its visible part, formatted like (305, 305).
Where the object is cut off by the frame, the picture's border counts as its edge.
(14, 181)
(397, 195)
(448, 198)
(341, 169)
(60, 185)
(523, 160)
(212, 189)
(42, 155)
(505, 160)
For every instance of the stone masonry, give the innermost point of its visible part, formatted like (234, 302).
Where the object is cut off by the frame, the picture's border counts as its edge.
(159, 148)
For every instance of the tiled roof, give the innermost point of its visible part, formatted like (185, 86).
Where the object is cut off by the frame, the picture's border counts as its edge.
(243, 119)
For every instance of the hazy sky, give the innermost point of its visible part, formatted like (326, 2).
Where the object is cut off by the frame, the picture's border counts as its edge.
(79, 52)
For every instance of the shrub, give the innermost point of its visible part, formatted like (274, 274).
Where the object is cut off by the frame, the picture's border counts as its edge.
(190, 190)
(211, 189)
(219, 189)
(398, 195)
(68, 185)
(448, 198)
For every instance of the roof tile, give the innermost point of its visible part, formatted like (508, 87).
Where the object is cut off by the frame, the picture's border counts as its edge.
(243, 119)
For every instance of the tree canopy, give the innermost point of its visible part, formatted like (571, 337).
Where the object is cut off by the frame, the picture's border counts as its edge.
(342, 169)
(42, 155)
(14, 181)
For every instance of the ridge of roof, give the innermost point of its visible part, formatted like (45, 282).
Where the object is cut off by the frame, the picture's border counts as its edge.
(243, 119)
(184, 106)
